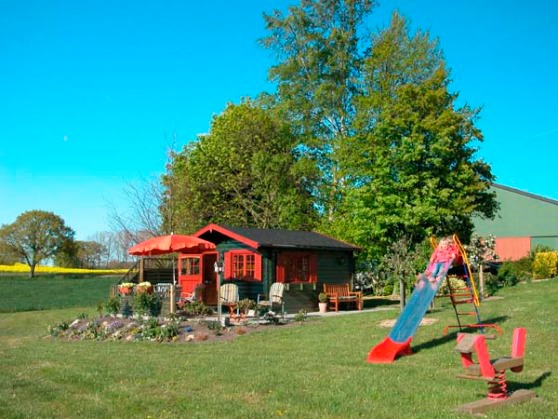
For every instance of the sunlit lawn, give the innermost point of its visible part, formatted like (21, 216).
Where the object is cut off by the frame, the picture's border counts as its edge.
(315, 370)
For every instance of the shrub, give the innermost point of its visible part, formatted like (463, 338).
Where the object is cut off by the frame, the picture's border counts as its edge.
(491, 284)
(57, 329)
(147, 304)
(507, 275)
(246, 304)
(544, 265)
(215, 327)
(113, 305)
(388, 289)
(455, 284)
(524, 268)
(195, 309)
(301, 316)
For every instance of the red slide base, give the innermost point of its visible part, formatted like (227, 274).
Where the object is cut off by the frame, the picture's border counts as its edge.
(387, 350)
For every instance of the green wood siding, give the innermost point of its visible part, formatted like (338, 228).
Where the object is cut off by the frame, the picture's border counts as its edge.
(520, 215)
(551, 242)
(246, 289)
(333, 267)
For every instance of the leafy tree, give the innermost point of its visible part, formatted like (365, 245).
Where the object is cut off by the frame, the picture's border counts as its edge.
(7, 255)
(318, 75)
(400, 264)
(80, 254)
(411, 167)
(244, 172)
(35, 236)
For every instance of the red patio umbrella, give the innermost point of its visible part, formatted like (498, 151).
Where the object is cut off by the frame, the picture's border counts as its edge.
(172, 243)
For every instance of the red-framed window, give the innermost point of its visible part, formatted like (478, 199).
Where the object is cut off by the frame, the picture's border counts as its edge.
(244, 265)
(190, 265)
(294, 267)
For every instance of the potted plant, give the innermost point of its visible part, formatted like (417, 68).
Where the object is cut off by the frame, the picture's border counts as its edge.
(144, 288)
(247, 306)
(125, 288)
(323, 299)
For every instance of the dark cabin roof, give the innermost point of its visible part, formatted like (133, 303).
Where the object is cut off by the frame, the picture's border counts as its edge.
(258, 237)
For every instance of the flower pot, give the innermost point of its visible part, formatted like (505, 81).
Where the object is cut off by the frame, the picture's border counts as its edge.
(323, 307)
(125, 291)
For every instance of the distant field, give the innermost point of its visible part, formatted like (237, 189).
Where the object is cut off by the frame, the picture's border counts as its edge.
(52, 292)
(23, 268)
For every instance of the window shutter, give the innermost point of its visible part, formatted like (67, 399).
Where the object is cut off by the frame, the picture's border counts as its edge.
(258, 268)
(280, 267)
(313, 267)
(228, 265)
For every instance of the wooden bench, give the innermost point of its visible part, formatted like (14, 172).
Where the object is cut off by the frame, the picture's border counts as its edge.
(341, 293)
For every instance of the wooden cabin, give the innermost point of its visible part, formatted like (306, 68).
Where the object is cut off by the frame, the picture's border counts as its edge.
(256, 258)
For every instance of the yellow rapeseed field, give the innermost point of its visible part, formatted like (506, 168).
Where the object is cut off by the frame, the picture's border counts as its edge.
(22, 268)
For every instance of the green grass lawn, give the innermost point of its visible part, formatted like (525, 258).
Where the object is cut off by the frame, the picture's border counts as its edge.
(315, 370)
(52, 292)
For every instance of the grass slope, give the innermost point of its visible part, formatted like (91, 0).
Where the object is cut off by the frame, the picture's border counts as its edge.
(316, 370)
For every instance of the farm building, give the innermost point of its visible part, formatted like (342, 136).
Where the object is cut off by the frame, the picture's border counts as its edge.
(523, 222)
(253, 259)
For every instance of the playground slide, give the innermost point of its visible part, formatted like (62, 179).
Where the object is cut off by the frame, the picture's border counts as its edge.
(398, 342)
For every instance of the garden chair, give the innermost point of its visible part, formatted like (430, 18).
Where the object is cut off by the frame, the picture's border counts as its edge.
(229, 298)
(275, 297)
(196, 295)
(162, 288)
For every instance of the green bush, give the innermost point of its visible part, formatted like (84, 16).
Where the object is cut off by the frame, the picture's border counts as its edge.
(491, 284)
(147, 304)
(388, 289)
(196, 309)
(524, 268)
(113, 305)
(511, 273)
(507, 275)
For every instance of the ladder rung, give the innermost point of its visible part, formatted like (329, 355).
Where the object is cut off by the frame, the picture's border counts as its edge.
(468, 294)
(469, 301)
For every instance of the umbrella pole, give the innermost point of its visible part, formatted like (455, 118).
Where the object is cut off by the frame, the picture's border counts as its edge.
(173, 273)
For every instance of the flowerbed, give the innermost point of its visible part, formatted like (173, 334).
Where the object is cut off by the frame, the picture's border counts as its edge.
(136, 329)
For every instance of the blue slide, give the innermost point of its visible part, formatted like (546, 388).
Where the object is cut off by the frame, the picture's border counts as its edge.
(398, 342)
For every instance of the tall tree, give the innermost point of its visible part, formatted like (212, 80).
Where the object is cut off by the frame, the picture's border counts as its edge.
(80, 254)
(244, 172)
(396, 153)
(318, 76)
(36, 236)
(412, 166)
(418, 174)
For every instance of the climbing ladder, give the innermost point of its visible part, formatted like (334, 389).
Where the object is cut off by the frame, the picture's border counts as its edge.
(466, 301)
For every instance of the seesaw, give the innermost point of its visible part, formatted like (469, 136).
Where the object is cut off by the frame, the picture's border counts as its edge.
(493, 372)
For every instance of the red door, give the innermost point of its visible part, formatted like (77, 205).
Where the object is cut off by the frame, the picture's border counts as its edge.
(189, 272)
(209, 279)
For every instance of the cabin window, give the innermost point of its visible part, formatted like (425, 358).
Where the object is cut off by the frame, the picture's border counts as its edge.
(190, 266)
(242, 264)
(297, 267)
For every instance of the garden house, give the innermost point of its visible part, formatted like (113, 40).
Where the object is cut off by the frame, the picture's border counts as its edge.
(523, 222)
(255, 258)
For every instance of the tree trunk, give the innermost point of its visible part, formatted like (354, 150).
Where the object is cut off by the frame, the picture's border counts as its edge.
(32, 270)
(403, 294)
(481, 282)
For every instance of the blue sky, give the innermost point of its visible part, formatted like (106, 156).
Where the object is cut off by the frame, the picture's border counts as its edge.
(92, 93)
